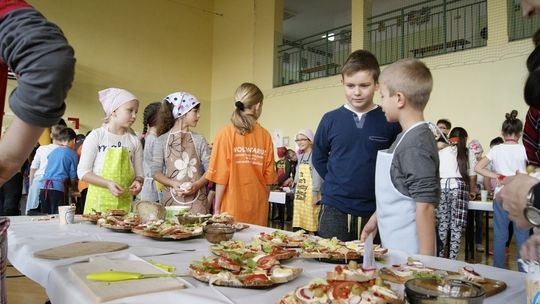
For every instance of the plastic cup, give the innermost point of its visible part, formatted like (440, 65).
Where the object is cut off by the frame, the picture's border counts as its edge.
(66, 214)
(532, 287)
(483, 195)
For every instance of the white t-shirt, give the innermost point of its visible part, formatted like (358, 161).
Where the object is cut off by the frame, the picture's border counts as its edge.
(508, 158)
(448, 164)
(93, 151)
(41, 157)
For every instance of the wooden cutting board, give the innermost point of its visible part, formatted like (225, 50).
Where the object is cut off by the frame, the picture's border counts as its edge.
(106, 291)
(79, 249)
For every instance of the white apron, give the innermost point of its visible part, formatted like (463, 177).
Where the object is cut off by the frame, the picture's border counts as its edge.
(396, 213)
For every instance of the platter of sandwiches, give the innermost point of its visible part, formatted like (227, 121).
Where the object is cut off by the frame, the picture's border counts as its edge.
(261, 271)
(168, 230)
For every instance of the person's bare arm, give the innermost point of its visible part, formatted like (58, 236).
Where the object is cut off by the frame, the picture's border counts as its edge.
(480, 168)
(220, 190)
(425, 227)
(13, 150)
(369, 228)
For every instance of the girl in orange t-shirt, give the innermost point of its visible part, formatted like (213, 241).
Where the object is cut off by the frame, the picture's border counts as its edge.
(242, 161)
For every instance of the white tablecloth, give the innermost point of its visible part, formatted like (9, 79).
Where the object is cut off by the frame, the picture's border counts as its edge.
(25, 237)
(481, 206)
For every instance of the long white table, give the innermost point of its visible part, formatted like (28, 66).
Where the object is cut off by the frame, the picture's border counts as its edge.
(26, 236)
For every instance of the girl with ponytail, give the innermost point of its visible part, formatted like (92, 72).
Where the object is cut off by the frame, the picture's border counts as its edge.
(149, 137)
(458, 184)
(242, 161)
(507, 158)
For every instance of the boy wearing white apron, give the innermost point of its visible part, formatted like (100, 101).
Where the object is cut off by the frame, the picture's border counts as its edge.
(407, 175)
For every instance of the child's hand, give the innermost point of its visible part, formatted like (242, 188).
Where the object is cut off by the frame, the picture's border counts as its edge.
(369, 228)
(175, 186)
(115, 189)
(135, 187)
(192, 189)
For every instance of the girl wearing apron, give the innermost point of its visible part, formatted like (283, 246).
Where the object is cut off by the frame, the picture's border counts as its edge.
(308, 185)
(111, 157)
(180, 157)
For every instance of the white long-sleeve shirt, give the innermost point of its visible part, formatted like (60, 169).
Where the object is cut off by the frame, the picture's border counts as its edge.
(93, 151)
(40, 159)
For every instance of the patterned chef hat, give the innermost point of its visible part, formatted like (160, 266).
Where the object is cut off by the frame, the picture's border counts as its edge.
(182, 103)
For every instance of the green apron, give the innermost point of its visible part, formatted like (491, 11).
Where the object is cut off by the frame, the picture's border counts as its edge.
(118, 168)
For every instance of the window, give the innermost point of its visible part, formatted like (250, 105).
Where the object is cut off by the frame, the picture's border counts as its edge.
(315, 40)
(520, 27)
(426, 28)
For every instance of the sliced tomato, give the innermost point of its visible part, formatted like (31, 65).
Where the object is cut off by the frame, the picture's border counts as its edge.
(266, 262)
(342, 290)
(339, 269)
(229, 264)
(256, 279)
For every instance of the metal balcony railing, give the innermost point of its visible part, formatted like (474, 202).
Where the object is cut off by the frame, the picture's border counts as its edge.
(316, 56)
(427, 28)
(520, 27)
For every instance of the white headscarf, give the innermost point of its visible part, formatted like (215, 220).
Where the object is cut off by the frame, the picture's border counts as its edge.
(113, 98)
(182, 103)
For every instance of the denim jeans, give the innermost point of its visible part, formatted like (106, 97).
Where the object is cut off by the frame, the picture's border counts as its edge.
(500, 235)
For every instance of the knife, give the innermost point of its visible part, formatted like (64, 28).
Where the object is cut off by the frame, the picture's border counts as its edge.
(369, 260)
(116, 276)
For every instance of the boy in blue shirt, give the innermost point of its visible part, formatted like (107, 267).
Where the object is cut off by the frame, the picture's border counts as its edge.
(345, 149)
(60, 171)
(407, 176)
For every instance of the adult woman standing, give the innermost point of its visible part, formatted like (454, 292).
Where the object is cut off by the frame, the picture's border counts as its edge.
(308, 186)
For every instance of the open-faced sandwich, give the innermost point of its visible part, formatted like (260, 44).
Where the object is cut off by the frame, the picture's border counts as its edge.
(168, 230)
(401, 273)
(353, 272)
(251, 250)
(283, 239)
(114, 221)
(320, 291)
(334, 249)
(257, 272)
(93, 216)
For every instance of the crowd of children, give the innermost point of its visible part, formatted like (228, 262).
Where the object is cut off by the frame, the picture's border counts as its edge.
(368, 170)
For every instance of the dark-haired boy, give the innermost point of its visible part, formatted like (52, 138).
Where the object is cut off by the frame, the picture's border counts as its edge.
(61, 170)
(345, 150)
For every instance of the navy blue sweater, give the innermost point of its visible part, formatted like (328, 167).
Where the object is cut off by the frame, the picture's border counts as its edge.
(344, 154)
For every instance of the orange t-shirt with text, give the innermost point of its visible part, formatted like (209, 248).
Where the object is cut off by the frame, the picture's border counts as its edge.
(245, 165)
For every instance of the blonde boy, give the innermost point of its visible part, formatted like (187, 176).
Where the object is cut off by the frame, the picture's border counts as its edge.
(407, 175)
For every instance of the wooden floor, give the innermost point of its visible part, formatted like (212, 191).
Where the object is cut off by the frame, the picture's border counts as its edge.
(21, 290)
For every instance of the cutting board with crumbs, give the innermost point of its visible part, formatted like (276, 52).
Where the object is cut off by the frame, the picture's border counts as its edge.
(106, 291)
(79, 249)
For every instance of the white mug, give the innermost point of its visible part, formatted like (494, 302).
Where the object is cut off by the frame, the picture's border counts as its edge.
(483, 195)
(66, 214)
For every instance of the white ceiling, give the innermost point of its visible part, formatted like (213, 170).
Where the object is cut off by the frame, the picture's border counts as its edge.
(315, 16)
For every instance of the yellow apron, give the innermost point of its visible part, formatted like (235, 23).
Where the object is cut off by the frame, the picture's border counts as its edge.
(118, 168)
(306, 215)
